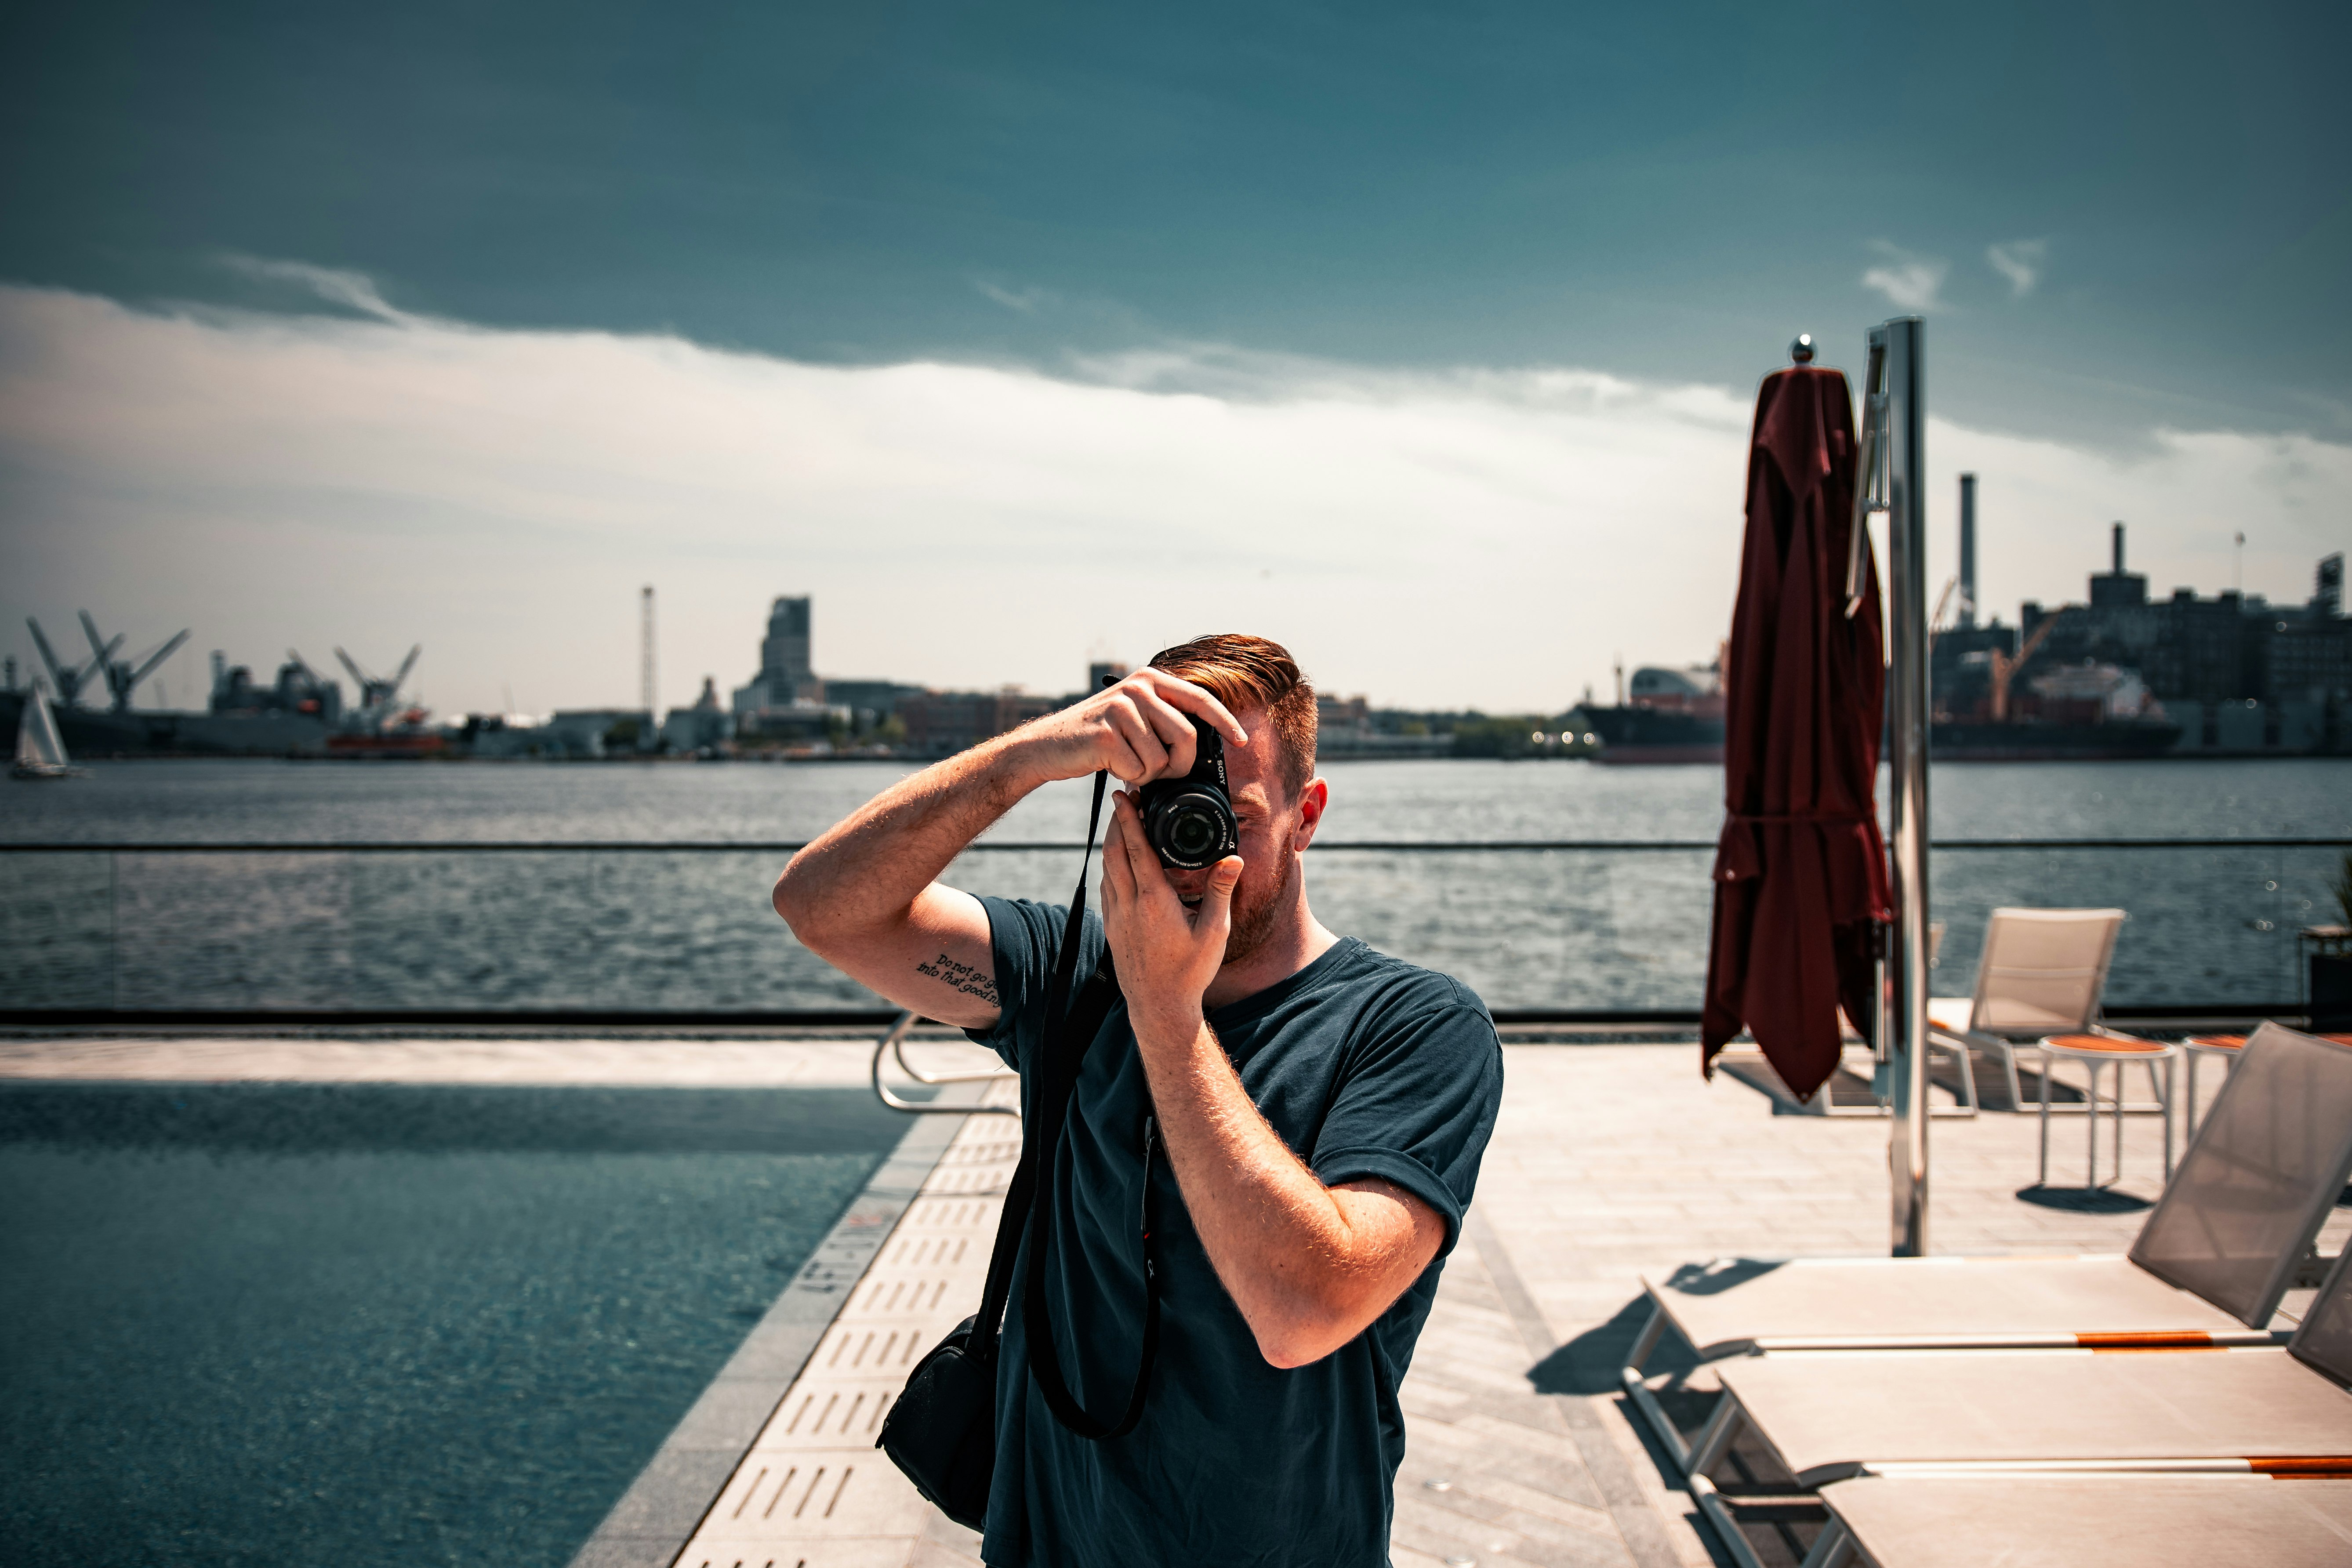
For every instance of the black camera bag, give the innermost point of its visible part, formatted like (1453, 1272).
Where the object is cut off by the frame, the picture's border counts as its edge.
(941, 1431)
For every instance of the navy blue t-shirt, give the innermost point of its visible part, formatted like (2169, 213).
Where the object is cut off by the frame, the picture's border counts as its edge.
(1367, 1066)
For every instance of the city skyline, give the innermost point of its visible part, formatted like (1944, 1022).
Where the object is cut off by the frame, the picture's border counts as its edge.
(1426, 343)
(158, 691)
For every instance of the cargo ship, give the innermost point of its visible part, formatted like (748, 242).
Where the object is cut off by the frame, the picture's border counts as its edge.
(2025, 741)
(300, 714)
(152, 732)
(1666, 716)
(2074, 714)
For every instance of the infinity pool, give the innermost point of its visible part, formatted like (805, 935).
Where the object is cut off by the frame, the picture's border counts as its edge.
(360, 1324)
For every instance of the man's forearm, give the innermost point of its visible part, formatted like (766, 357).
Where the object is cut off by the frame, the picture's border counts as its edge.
(1307, 1265)
(867, 869)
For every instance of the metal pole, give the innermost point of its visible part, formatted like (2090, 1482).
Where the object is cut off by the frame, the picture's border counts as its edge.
(645, 684)
(1967, 550)
(113, 929)
(1906, 698)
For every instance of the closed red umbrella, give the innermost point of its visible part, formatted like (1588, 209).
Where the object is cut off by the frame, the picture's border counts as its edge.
(1801, 881)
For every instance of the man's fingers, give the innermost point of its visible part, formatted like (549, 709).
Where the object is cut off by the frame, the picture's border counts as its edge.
(1144, 861)
(1173, 726)
(1130, 726)
(1118, 879)
(1124, 763)
(1217, 916)
(1192, 698)
(1118, 848)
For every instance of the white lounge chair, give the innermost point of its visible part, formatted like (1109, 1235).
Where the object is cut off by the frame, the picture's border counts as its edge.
(2060, 1519)
(1824, 1417)
(2212, 1262)
(2042, 972)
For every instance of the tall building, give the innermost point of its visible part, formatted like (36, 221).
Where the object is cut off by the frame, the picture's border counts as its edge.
(785, 652)
(786, 675)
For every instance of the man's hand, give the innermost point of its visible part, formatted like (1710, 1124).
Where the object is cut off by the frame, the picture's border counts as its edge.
(1308, 1266)
(865, 895)
(1139, 729)
(1166, 953)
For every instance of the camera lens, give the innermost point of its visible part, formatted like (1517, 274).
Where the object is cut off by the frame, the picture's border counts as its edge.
(1189, 828)
(1193, 834)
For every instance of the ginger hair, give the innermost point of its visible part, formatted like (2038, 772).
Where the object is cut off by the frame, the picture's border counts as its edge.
(1245, 672)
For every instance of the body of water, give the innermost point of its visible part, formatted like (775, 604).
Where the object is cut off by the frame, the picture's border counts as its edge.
(572, 928)
(369, 1324)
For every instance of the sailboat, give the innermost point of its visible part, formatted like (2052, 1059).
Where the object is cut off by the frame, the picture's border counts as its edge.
(40, 750)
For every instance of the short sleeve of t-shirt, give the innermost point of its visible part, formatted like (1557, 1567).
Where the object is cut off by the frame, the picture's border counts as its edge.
(1025, 939)
(1417, 1101)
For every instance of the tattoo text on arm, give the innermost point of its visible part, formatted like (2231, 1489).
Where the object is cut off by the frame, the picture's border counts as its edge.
(963, 976)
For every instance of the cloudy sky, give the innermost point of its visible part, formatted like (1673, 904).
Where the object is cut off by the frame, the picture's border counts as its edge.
(1423, 338)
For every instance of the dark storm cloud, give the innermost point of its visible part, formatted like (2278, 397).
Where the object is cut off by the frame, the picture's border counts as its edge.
(1660, 191)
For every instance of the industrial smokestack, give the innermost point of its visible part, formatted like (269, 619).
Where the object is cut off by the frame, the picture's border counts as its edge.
(2119, 550)
(646, 599)
(1967, 550)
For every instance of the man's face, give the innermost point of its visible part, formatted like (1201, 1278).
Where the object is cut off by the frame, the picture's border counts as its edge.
(1275, 825)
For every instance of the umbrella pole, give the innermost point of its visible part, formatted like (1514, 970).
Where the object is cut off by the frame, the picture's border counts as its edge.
(1905, 434)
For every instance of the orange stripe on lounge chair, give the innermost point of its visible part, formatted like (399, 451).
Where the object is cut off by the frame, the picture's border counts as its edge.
(2172, 1340)
(2302, 1470)
(2106, 1045)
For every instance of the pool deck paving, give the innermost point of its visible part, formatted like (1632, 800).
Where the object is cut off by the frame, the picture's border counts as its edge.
(1608, 1161)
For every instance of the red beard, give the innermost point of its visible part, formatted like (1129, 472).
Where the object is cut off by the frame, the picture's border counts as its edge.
(1254, 914)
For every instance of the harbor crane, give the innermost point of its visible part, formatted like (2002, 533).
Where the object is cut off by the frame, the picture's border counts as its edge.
(68, 679)
(2005, 668)
(376, 693)
(123, 676)
(302, 667)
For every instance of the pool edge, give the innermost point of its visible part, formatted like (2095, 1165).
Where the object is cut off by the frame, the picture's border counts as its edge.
(662, 1508)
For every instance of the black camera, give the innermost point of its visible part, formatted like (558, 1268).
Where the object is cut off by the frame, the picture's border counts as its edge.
(1190, 821)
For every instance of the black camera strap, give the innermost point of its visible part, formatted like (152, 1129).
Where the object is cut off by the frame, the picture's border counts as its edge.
(1071, 1025)
(1063, 1054)
(1044, 1358)
(1021, 1193)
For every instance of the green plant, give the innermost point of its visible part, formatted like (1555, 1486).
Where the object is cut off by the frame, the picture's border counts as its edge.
(1475, 735)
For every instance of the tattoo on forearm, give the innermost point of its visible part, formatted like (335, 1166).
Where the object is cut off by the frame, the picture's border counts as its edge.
(963, 976)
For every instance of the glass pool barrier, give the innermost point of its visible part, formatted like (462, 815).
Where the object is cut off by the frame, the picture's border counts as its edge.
(670, 934)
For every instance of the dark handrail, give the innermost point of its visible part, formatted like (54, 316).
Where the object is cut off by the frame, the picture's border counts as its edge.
(1360, 845)
(857, 1020)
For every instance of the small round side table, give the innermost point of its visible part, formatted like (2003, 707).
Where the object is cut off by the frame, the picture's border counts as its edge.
(2094, 1052)
(2226, 1047)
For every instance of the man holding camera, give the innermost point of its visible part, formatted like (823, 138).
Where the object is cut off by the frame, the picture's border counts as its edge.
(1297, 1119)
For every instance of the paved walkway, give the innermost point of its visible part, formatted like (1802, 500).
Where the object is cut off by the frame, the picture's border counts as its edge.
(1609, 1161)
(813, 1491)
